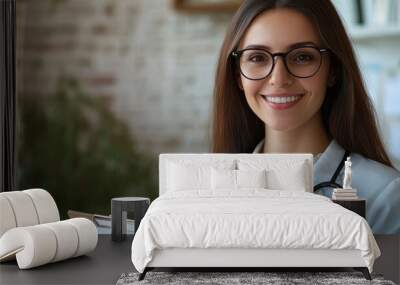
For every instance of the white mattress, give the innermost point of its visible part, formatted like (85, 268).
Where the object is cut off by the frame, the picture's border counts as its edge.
(251, 218)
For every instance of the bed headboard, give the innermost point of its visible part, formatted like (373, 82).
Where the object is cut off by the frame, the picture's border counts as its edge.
(224, 157)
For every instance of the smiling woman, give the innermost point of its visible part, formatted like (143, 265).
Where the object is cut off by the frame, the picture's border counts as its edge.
(287, 81)
(294, 76)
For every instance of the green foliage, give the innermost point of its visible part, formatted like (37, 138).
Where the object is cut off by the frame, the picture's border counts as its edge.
(73, 146)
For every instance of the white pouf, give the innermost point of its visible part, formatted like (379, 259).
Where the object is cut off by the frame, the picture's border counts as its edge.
(31, 230)
(40, 244)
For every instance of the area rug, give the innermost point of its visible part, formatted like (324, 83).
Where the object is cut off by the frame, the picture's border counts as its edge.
(273, 278)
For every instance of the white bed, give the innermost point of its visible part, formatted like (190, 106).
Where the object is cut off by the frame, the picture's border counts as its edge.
(216, 224)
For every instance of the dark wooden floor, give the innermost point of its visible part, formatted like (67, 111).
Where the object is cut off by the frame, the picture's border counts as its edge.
(106, 264)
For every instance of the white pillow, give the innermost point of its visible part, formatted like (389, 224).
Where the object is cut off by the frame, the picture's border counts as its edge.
(188, 177)
(290, 179)
(223, 179)
(282, 174)
(228, 179)
(251, 178)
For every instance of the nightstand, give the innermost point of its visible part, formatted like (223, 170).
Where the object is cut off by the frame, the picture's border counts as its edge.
(119, 208)
(357, 206)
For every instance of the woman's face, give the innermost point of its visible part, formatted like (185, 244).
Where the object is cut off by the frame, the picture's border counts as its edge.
(277, 30)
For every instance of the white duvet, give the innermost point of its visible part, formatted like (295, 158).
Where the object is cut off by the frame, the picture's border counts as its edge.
(251, 218)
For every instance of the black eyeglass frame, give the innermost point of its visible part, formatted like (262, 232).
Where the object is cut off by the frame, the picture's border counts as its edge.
(237, 54)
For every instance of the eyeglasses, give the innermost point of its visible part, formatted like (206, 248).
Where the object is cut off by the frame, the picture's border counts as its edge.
(258, 63)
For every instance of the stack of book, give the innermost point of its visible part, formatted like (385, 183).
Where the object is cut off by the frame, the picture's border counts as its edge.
(344, 194)
(103, 223)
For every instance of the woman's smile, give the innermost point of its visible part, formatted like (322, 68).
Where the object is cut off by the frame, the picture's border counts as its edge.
(282, 101)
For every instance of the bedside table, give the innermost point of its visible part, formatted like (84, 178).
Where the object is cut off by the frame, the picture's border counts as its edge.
(119, 208)
(357, 206)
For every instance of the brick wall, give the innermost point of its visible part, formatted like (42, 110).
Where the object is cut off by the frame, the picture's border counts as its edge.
(156, 64)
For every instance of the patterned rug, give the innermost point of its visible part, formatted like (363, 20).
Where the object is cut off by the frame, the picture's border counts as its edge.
(229, 278)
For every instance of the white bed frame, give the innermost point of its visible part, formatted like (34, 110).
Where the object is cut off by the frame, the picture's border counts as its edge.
(250, 257)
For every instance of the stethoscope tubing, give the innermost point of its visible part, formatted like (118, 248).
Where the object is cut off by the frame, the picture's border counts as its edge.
(332, 183)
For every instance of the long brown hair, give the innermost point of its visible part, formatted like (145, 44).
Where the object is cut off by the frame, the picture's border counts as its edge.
(347, 112)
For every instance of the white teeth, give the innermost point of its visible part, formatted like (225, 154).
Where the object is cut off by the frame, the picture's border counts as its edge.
(282, 100)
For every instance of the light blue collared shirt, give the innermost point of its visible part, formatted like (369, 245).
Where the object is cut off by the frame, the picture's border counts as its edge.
(375, 182)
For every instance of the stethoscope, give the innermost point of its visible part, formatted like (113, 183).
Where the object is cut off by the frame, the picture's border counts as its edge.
(332, 182)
